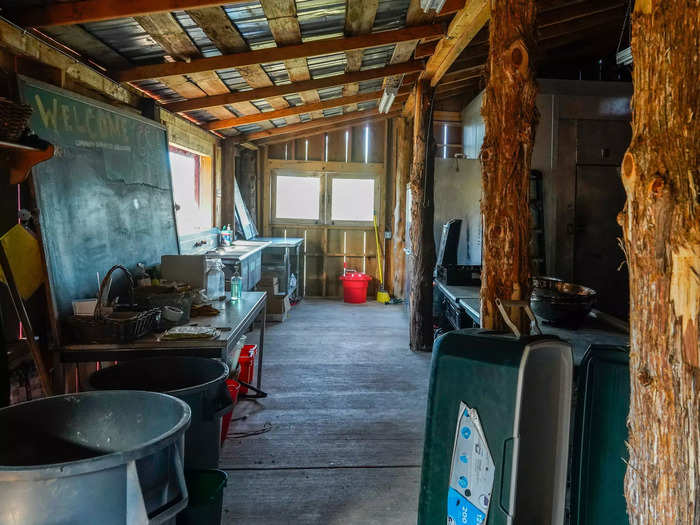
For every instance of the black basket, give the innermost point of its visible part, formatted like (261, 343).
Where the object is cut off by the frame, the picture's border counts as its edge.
(117, 327)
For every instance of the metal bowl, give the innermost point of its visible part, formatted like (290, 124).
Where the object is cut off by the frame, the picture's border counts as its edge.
(557, 301)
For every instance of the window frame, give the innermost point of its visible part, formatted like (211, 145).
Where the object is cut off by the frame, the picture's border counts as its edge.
(330, 176)
(273, 196)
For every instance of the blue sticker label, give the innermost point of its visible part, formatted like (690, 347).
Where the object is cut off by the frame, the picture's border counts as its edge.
(461, 512)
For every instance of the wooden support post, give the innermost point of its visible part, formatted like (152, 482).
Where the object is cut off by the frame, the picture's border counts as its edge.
(511, 118)
(228, 178)
(661, 225)
(403, 145)
(422, 208)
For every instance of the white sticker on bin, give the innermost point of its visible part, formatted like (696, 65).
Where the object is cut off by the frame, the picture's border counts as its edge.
(471, 473)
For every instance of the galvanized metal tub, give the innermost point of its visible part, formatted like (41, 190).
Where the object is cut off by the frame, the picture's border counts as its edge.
(96, 457)
(198, 381)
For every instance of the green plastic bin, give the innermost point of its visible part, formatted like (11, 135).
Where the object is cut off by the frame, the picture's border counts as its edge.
(599, 451)
(519, 393)
(206, 490)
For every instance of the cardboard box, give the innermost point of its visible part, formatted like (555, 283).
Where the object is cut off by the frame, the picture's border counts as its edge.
(269, 283)
(278, 306)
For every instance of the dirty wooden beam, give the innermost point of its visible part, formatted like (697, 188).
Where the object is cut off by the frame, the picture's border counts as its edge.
(422, 208)
(355, 121)
(463, 28)
(359, 19)
(165, 30)
(267, 55)
(510, 118)
(282, 19)
(225, 35)
(311, 124)
(298, 110)
(296, 87)
(84, 11)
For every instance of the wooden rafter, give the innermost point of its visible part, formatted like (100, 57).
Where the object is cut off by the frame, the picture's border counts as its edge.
(296, 87)
(267, 55)
(165, 30)
(313, 124)
(282, 19)
(225, 35)
(84, 11)
(403, 51)
(298, 110)
(463, 28)
(354, 121)
(359, 19)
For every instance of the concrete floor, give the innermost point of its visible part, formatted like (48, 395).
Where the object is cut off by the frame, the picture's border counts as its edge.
(346, 411)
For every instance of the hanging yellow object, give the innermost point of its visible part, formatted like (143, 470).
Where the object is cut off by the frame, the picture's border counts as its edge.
(24, 255)
(382, 296)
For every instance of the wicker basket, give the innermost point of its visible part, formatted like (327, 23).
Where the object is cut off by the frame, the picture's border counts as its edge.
(13, 119)
(117, 327)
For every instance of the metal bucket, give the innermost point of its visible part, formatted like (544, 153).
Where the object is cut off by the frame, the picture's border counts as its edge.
(96, 457)
(198, 381)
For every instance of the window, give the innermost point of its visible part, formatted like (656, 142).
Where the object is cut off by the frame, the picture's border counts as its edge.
(324, 198)
(193, 200)
(352, 200)
(298, 197)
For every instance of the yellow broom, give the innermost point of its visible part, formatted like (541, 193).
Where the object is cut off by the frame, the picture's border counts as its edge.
(382, 295)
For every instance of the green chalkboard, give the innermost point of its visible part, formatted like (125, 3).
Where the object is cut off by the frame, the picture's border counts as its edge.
(105, 198)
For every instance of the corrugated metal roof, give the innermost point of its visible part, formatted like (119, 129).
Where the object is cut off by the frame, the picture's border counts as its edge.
(320, 18)
(128, 38)
(391, 14)
(250, 20)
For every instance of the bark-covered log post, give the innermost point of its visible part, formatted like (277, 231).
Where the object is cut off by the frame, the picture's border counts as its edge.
(511, 118)
(422, 208)
(403, 145)
(661, 225)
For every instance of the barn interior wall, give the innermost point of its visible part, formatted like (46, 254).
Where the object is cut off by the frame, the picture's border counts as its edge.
(326, 245)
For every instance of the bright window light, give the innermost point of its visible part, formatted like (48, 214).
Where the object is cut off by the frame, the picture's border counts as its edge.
(185, 174)
(297, 197)
(306, 149)
(366, 144)
(347, 146)
(352, 200)
(444, 141)
(326, 149)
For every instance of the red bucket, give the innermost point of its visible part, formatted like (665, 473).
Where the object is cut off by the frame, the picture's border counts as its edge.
(247, 362)
(233, 388)
(355, 287)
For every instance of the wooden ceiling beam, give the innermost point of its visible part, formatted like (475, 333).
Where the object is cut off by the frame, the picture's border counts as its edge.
(299, 110)
(84, 11)
(278, 54)
(313, 124)
(463, 28)
(359, 19)
(357, 121)
(296, 87)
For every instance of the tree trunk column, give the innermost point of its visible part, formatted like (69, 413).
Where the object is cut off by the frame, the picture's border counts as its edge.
(661, 225)
(422, 208)
(398, 259)
(511, 118)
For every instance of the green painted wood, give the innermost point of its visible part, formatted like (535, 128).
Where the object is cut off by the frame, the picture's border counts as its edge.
(105, 197)
(599, 447)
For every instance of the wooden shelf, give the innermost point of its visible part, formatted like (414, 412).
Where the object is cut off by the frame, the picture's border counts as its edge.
(23, 157)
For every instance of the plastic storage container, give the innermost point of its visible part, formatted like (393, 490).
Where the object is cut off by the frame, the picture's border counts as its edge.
(247, 364)
(198, 381)
(355, 287)
(599, 450)
(206, 489)
(497, 430)
(233, 389)
(215, 281)
(97, 457)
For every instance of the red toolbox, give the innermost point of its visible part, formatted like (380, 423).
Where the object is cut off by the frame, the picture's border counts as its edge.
(247, 366)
